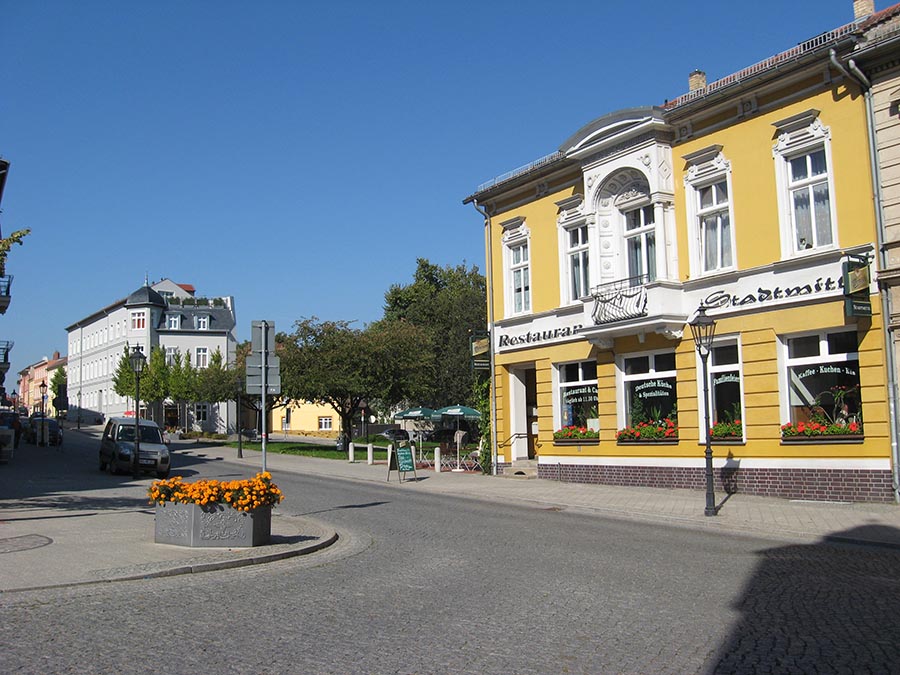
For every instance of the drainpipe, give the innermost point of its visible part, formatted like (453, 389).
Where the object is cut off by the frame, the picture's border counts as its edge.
(890, 359)
(490, 318)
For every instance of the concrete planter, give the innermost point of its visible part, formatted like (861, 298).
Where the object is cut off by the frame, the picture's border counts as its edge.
(212, 525)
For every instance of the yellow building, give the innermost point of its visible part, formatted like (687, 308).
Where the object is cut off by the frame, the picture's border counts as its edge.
(750, 197)
(304, 419)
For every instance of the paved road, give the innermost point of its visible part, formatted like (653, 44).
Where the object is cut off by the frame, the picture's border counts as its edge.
(423, 583)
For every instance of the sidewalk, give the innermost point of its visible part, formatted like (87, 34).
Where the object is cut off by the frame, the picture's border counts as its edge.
(79, 530)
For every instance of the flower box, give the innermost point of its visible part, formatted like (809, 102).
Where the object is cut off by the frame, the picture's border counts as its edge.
(212, 525)
(214, 513)
(576, 441)
(822, 438)
(648, 441)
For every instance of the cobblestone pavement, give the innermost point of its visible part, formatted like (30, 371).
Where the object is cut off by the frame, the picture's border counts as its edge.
(426, 583)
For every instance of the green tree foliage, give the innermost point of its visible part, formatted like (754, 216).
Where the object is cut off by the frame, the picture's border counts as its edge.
(332, 363)
(448, 304)
(123, 379)
(215, 383)
(59, 383)
(155, 378)
(182, 377)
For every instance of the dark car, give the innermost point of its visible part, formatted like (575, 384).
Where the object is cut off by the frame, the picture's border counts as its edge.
(395, 435)
(32, 433)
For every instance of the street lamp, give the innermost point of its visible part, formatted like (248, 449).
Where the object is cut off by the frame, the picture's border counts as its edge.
(703, 328)
(138, 361)
(43, 388)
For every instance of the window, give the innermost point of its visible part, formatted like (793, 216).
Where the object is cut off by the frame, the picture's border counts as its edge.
(517, 270)
(725, 387)
(577, 255)
(640, 244)
(171, 355)
(138, 320)
(707, 191)
(810, 204)
(714, 222)
(649, 383)
(578, 394)
(823, 378)
(805, 188)
(324, 424)
(202, 357)
(201, 412)
(202, 323)
(173, 321)
(521, 282)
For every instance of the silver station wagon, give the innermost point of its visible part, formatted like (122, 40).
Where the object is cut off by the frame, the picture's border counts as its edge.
(117, 446)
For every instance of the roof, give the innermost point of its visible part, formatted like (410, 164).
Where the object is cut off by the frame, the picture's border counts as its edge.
(145, 296)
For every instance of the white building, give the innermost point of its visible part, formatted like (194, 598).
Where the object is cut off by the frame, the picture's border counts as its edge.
(164, 315)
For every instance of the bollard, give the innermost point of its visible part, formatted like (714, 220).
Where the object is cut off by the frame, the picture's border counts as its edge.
(350, 453)
(437, 458)
(370, 454)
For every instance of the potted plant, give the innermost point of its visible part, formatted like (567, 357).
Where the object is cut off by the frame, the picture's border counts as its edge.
(652, 431)
(576, 434)
(728, 430)
(813, 429)
(214, 513)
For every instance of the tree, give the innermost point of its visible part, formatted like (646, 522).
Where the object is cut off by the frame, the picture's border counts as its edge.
(182, 377)
(448, 304)
(123, 379)
(59, 383)
(332, 363)
(215, 383)
(155, 381)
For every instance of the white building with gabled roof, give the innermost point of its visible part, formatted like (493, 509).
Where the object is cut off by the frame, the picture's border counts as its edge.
(163, 315)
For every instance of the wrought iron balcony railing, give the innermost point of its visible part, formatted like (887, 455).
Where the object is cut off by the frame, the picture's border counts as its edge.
(620, 300)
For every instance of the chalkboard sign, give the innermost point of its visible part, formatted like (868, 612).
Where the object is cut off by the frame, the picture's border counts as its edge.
(401, 460)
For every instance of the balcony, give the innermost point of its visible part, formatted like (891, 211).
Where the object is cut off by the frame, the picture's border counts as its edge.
(634, 306)
(5, 348)
(5, 283)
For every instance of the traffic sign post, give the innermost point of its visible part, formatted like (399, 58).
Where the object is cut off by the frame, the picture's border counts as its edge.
(263, 371)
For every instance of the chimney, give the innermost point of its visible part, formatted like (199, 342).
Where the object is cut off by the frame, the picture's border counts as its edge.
(696, 80)
(862, 8)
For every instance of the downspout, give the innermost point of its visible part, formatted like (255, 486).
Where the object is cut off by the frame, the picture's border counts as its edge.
(890, 359)
(490, 318)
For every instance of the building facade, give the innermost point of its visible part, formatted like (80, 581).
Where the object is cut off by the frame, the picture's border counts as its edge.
(38, 378)
(166, 316)
(750, 197)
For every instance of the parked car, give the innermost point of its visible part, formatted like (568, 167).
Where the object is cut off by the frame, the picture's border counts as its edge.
(395, 435)
(117, 446)
(30, 428)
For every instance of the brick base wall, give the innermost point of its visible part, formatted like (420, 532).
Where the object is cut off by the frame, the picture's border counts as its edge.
(846, 485)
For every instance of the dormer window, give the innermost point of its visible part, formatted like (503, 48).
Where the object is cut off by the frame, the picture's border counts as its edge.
(203, 322)
(173, 321)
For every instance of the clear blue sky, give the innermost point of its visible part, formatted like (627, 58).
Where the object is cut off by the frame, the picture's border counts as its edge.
(301, 156)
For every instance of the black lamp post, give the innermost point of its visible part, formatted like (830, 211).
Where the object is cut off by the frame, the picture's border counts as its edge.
(43, 388)
(703, 328)
(138, 361)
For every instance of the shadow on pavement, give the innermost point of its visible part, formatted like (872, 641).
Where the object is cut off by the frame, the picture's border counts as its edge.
(829, 607)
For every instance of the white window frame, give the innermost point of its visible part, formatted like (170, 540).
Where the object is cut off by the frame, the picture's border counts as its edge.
(138, 320)
(325, 424)
(798, 136)
(205, 361)
(649, 268)
(559, 386)
(173, 321)
(577, 255)
(824, 357)
(201, 412)
(203, 322)
(622, 379)
(516, 239)
(707, 168)
(714, 371)
(171, 355)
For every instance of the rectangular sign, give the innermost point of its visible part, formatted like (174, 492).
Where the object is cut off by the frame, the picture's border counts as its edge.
(256, 339)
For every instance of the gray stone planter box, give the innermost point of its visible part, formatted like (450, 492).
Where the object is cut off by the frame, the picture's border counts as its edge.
(212, 525)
